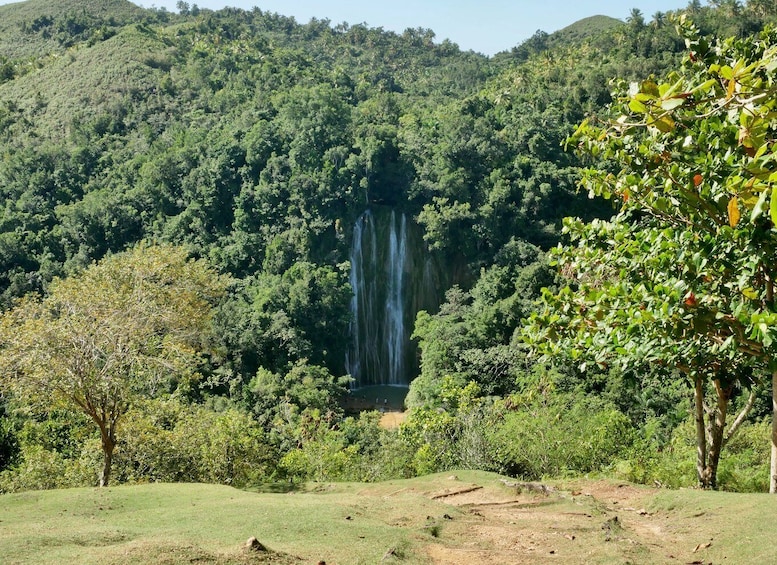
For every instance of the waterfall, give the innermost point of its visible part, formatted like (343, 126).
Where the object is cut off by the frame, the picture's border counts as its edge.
(383, 303)
(362, 355)
(395, 301)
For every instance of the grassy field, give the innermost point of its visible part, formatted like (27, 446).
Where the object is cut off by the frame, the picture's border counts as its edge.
(469, 517)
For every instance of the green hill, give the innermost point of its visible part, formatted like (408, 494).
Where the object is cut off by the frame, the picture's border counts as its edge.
(583, 29)
(81, 85)
(36, 28)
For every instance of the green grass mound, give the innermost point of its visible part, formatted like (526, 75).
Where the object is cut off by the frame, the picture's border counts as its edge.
(456, 517)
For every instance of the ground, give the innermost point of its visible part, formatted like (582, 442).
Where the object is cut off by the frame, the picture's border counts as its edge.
(391, 420)
(556, 524)
(458, 517)
(587, 521)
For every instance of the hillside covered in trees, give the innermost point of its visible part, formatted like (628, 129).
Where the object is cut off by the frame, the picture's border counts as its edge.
(375, 208)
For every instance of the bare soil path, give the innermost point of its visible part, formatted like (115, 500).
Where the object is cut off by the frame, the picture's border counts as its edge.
(586, 522)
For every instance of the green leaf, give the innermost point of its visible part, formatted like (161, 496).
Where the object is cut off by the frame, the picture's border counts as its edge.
(758, 209)
(773, 206)
(750, 293)
(650, 87)
(705, 86)
(672, 103)
(666, 91)
(665, 124)
(637, 106)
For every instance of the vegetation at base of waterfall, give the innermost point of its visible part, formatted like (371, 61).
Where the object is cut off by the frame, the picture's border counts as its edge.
(251, 145)
(443, 518)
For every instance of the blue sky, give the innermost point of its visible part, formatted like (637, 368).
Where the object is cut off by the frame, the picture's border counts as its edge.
(486, 26)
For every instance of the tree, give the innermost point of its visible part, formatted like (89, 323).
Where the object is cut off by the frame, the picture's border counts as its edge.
(659, 19)
(127, 326)
(762, 8)
(636, 19)
(684, 274)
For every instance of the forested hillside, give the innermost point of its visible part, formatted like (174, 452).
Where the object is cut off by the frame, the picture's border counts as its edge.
(379, 206)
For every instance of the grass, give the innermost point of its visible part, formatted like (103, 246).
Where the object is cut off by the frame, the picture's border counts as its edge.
(737, 527)
(472, 517)
(179, 523)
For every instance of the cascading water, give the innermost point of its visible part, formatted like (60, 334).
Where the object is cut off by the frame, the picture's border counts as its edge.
(362, 355)
(395, 304)
(391, 281)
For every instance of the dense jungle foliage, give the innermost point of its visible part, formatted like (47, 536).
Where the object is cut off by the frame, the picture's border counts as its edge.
(254, 142)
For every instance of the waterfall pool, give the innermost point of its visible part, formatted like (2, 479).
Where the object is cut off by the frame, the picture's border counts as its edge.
(386, 398)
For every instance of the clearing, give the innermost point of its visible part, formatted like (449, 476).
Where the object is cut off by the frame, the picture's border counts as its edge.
(451, 518)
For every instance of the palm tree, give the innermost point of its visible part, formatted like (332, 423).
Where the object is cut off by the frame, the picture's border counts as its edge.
(636, 19)
(694, 6)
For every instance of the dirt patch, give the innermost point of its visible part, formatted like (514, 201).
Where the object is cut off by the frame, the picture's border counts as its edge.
(392, 420)
(591, 522)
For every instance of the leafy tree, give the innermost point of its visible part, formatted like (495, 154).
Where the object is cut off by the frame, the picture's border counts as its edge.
(130, 325)
(274, 321)
(684, 274)
(470, 338)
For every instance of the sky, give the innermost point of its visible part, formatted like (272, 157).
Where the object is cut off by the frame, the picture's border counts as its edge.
(485, 26)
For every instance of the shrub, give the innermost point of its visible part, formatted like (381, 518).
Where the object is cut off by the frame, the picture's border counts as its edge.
(559, 435)
(171, 441)
(453, 432)
(744, 462)
(354, 449)
(39, 468)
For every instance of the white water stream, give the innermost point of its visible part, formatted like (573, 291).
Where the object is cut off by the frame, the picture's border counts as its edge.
(379, 265)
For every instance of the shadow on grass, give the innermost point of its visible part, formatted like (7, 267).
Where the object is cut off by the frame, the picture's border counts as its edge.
(277, 487)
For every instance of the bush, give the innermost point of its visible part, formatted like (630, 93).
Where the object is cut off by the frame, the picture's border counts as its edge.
(744, 462)
(354, 449)
(559, 435)
(743, 467)
(175, 442)
(162, 440)
(661, 461)
(453, 432)
(9, 444)
(39, 468)
(51, 450)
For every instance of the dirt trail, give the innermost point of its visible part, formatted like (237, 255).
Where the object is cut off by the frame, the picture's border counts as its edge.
(392, 420)
(527, 523)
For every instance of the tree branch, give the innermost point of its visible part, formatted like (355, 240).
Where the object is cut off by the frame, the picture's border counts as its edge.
(741, 416)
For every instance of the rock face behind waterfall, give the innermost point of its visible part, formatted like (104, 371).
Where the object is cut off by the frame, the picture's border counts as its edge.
(393, 277)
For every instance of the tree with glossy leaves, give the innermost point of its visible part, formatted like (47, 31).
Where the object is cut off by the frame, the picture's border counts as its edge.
(684, 275)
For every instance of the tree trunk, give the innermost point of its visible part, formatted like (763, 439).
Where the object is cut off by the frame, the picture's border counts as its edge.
(108, 443)
(701, 436)
(773, 466)
(717, 427)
